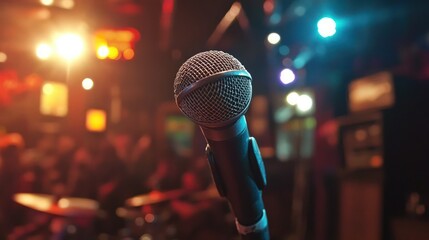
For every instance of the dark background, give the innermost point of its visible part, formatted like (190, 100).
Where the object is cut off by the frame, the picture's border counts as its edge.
(372, 36)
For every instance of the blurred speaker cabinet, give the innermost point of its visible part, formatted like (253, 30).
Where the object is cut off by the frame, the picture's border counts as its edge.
(385, 155)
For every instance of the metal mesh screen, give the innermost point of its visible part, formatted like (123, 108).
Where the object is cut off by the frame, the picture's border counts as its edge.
(203, 65)
(218, 102)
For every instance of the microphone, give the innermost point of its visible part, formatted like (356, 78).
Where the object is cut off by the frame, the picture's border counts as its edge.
(214, 90)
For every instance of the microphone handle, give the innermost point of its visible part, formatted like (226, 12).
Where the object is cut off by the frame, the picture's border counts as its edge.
(235, 178)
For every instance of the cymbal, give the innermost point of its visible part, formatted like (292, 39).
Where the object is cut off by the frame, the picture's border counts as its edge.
(67, 207)
(210, 193)
(157, 196)
(127, 213)
(154, 197)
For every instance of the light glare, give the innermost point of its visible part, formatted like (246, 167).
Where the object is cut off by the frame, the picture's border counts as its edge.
(305, 103)
(69, 46)
(113, 53)
(95, 120)
(287, 76)
(326, 27)
(3, 57)
(87, 83)
(103, 52)
(53, 99)
(47, 2)
(292, 98)
(273, 38)
(48, 89)
(43, 51)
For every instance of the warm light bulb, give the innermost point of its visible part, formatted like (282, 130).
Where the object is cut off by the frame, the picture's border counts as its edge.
(69, 46)
(87, 83)
(43, 51)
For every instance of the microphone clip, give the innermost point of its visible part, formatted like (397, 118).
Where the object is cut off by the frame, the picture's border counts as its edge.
(257, 164)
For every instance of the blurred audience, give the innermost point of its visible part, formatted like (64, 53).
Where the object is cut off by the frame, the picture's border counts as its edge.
(11, 182)
(112, 191)
(202, 214)
(108, 171)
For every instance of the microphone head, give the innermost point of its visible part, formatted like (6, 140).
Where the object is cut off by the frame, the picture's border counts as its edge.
(213, 89)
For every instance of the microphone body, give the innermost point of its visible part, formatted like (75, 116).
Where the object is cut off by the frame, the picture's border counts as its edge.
(214, 90)
(239, 176)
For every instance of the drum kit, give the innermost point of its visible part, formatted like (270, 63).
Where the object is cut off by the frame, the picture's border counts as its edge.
(66, 207)
(147, 216)
(150, 217)
(57, 217)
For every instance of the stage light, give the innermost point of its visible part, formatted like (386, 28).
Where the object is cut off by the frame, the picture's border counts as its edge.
(113, 53)
(115, 44)
(304, 104)
(102, 52)
(47, 2)
(128, 54)
(326, 27)
(43, 51)
(69, 46)
(287, 76)
(48, 89)
(3, 57)
(87, 83)
(95, 120)
(273, 38)
(269, 6)
(54, 99)
(292, 98)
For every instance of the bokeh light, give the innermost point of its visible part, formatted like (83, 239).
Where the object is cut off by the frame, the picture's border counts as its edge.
(287, 76)
(305, 103)
(87, 83)
(113, 53)
(102, 52)
(326, 27)
(47, 2)
(128, 54)
(95, 120)
(273, 38)
(300, 11)
(47, 88)
(69, 46)
(3, 57)
(67, 4)
(292, 98)
(43, 51)
(284, 50)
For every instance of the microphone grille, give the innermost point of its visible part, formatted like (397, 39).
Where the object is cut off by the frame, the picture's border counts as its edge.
(218, 102)
(203, 65)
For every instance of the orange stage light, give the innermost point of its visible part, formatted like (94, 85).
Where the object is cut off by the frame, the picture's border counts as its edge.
(54, 99)
(115, 44)
(96, 120)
